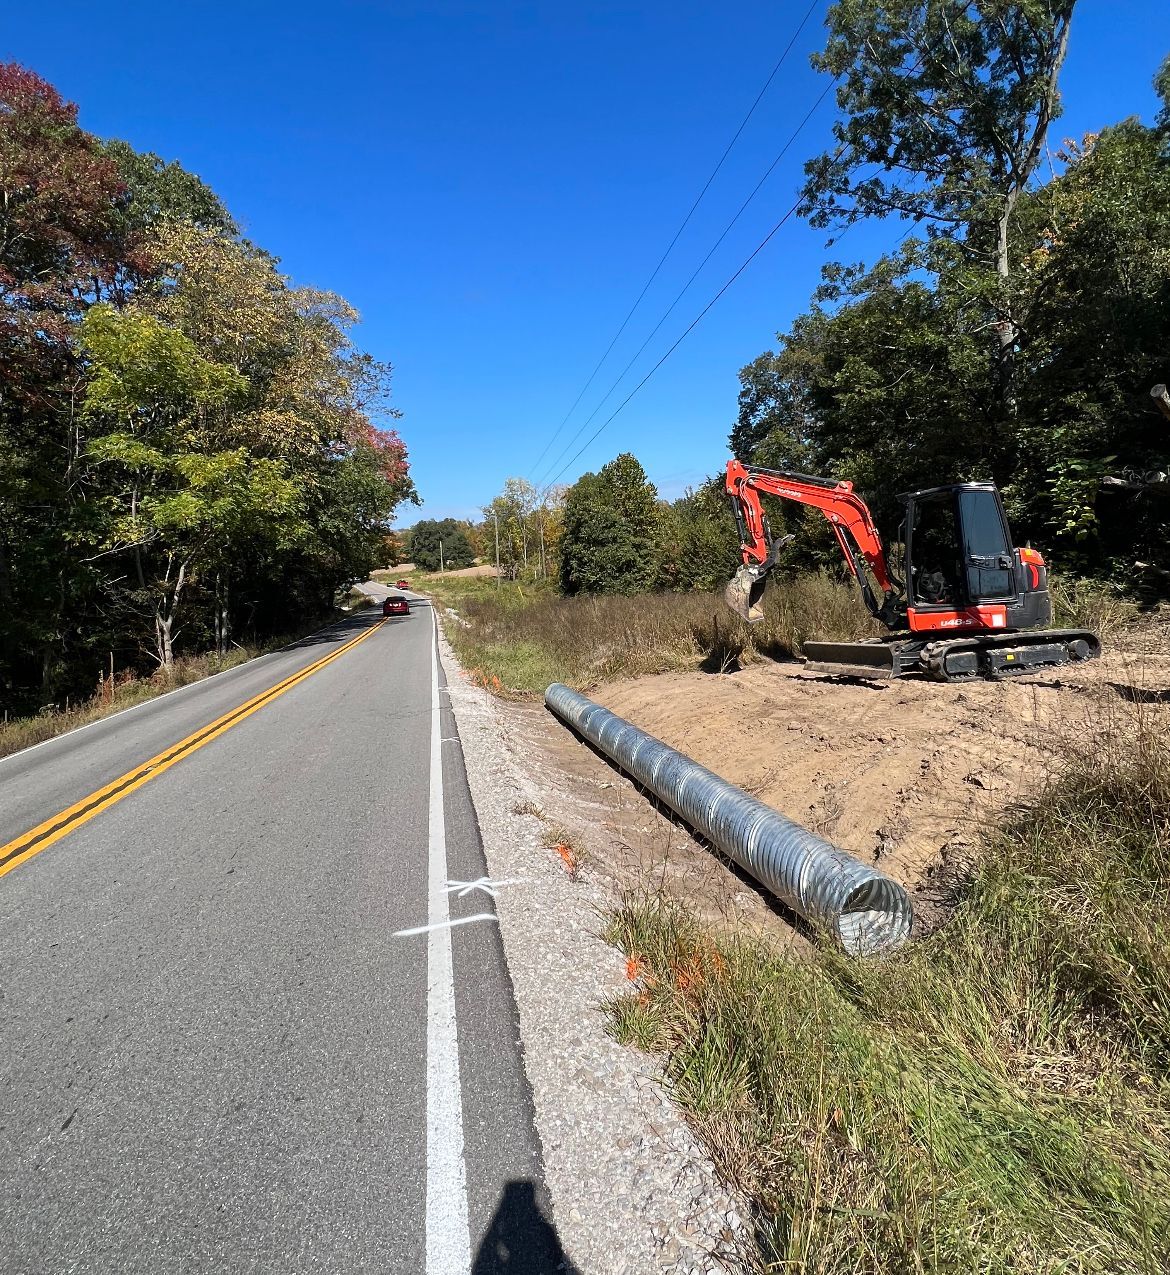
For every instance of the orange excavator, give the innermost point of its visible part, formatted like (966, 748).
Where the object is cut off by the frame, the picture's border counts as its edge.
(970, 605)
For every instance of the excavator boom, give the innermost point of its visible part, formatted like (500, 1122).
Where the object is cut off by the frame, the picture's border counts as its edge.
(846, 513)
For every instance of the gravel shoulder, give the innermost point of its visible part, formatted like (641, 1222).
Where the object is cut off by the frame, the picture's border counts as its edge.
(631, 1189)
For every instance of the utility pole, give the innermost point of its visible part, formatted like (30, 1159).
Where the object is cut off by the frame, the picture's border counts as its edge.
(440, 555)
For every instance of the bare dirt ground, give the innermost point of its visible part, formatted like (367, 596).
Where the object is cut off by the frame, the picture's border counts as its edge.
(484, 569)
(904, 774)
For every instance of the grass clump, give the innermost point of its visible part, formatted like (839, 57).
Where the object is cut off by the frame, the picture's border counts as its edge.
(560, 841)
(995, 1098)
(1091, 604)
(527, 636)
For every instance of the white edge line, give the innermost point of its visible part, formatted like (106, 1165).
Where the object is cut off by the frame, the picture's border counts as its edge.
(254, 662)
(448, 1236)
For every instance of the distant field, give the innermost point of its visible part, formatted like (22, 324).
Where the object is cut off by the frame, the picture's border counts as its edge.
(408, 568)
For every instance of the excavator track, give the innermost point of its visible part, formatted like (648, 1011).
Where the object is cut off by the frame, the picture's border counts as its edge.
(999, 656)
(993, 657)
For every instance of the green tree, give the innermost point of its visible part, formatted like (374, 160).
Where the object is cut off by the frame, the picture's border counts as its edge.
(440, 542)
(946, 108)
(1097, 337)
(611, 539)
(154, 395)
(512, 514)
(889, 385)
(773, 405)
(700, 541)
(187, 440)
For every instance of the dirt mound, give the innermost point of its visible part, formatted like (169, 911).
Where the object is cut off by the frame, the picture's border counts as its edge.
(903, 774)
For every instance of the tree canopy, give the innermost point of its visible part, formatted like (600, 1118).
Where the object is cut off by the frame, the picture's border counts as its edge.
(892, 378)
(611, 539)
(189, 444)
(443, 543)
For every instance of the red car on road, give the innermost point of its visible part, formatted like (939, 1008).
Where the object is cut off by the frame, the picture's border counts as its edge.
(395, 604)
(402, 584)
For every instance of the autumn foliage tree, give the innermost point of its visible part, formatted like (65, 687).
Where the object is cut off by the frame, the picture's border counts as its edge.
(189, 443)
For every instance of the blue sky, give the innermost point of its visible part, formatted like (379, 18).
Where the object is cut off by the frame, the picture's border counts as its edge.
(491, 184)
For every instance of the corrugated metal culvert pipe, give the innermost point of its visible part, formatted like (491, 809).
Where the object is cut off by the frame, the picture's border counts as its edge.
(866, 911)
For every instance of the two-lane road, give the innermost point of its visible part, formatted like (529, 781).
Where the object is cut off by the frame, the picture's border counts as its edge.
(217, 1050)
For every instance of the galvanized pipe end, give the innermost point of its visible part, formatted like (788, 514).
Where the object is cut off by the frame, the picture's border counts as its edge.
(875, 917)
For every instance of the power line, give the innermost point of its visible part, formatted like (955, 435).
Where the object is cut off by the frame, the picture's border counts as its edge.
(702, 313)
(698, 269)
(687, 331)
(683, 225)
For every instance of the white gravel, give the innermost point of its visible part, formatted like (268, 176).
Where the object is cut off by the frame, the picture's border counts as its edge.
(631, 1189)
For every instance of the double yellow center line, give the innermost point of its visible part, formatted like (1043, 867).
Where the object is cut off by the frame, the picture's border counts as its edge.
(45, 834)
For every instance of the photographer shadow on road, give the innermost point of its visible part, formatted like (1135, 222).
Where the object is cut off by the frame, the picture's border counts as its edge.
(520, 1239)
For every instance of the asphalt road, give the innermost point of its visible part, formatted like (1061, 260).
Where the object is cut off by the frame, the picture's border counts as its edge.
(217, 1052)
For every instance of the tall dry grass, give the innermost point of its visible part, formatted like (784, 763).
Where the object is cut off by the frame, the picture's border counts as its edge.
(1091, 604)
(525, 639)
(995, 1098)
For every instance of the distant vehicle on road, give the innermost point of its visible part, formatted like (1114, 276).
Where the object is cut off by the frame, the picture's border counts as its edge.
(402, 584)
(396, 604)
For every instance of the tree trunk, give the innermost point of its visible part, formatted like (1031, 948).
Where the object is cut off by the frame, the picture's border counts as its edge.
(1006, 329)
(1023, 164)
(162, 629)
(137, 547)
(225, 617)
(164, 617)
(220, 615)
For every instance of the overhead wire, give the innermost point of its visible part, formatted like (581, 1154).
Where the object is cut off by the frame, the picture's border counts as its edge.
(702, 313)
(698, 269)
(682, 226)
(686, 332)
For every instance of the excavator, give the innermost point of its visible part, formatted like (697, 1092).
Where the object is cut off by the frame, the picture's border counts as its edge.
(970, 606)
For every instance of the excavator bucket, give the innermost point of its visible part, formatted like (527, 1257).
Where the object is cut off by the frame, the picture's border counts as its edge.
(745, 593)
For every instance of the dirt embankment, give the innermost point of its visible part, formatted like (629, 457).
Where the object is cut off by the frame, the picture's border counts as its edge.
(904, 774)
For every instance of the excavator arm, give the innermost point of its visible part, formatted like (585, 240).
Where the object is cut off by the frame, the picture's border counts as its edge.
(846, 513)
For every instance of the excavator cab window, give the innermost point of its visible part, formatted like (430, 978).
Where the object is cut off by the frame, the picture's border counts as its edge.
(933, 552)
(987, 551)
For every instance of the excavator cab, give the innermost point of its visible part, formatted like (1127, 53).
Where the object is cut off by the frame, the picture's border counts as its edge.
(961, 569)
